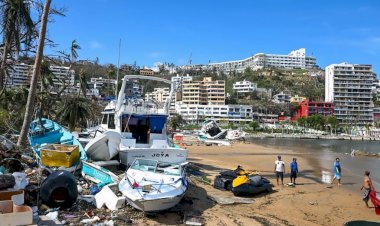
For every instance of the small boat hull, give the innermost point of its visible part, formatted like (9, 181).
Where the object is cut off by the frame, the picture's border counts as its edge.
(104, 146)
(44, 132)
(149, 185)
(156, 204)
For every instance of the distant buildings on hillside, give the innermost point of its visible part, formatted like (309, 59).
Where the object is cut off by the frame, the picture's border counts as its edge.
(19, 75)
(159, 94)
(205, 92)
(243, 87)
(296, 59)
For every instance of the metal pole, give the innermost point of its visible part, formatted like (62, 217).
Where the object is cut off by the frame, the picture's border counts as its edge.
(117, 72)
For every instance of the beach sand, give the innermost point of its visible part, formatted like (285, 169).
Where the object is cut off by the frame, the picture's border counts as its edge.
(309, 203)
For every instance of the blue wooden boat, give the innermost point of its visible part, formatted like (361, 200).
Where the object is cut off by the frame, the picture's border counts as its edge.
(43, 132)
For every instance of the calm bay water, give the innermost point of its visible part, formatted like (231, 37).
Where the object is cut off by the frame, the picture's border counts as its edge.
(324, 152)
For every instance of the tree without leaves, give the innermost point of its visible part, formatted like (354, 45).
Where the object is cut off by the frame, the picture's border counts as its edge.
(36, 71)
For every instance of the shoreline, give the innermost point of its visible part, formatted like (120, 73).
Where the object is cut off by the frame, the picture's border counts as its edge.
(310, 203)
(311, 136)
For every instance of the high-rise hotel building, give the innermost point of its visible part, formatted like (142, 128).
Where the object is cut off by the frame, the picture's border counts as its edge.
(205, 92)
(348, 86)
(295, 59)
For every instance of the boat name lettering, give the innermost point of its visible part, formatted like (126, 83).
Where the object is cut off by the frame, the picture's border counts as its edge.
(162, 154)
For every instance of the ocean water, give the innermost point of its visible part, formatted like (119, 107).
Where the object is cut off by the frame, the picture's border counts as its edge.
(324, 152)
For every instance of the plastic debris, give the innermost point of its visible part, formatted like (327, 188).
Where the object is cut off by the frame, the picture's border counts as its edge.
(80, 189)
(89, 221)
(87, 198)
(21, 180)
(53, 216)
(94, 189)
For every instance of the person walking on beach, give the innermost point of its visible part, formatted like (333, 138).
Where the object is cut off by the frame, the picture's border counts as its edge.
(293, 171)
(279, 169)
(368, 187)
(337, 171)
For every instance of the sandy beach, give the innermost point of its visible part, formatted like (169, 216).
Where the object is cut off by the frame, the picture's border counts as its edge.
(309, 203)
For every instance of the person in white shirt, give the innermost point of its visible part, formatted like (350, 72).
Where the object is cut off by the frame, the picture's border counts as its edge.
(279, 169)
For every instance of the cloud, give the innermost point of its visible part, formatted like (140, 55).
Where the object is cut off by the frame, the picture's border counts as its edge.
(96, 45)
(155, 68)
(154, 54)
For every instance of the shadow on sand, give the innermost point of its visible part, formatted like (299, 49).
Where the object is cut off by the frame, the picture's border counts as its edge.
(194, 203)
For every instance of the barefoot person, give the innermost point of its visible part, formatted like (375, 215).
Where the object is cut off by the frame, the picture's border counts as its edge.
(368, 187)
(293, 171)
(337, 171)
(279, 169)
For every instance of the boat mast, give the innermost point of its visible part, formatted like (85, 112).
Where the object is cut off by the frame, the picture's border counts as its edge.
(117, 72)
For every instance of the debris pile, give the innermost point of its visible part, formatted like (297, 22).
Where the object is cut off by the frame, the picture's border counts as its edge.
(31, 193)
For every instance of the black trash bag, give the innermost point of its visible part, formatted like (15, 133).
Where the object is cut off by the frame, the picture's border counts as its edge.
(59, 189)
(231, 174)
(222, 183)
(7, 181)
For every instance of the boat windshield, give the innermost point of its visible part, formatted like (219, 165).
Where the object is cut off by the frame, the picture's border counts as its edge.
(156, 167)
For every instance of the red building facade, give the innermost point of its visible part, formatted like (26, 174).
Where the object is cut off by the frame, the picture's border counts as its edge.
(307, 108)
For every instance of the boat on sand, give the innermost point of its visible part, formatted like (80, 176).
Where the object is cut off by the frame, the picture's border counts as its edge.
(150, 185)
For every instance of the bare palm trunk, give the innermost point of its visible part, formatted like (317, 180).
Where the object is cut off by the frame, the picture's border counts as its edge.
(4, 64)
(33, 84)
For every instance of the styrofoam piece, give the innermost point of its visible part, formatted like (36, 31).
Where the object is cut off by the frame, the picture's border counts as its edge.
(108, 197)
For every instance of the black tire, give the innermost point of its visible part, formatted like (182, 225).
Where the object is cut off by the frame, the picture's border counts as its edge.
(59, 189)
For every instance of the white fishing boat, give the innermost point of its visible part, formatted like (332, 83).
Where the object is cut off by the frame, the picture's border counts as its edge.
(150, 185)
(139, 129)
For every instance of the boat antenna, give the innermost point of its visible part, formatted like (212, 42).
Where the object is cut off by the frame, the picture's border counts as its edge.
(117, 72)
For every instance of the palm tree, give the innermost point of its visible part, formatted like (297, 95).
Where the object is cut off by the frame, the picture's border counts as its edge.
(111, 73)
(74, 111)
(70, 57)
(46, 76)
(73, 50)
(33, 84)
(83, 83)
(17, 24)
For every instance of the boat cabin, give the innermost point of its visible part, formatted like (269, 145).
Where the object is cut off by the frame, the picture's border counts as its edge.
(108, 120)
(143, 128)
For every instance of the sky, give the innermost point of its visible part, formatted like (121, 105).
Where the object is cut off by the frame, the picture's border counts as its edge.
(206, 31)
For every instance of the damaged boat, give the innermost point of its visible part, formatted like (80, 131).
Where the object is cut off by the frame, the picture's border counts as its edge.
(150, 185)
(212, 131)
(54, 146)
(134, 128)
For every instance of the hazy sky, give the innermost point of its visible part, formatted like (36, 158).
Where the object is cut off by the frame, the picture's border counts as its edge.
(170, 31)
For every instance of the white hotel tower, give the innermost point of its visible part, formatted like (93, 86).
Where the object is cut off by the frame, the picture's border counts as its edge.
(349, 87)
(295, 59)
